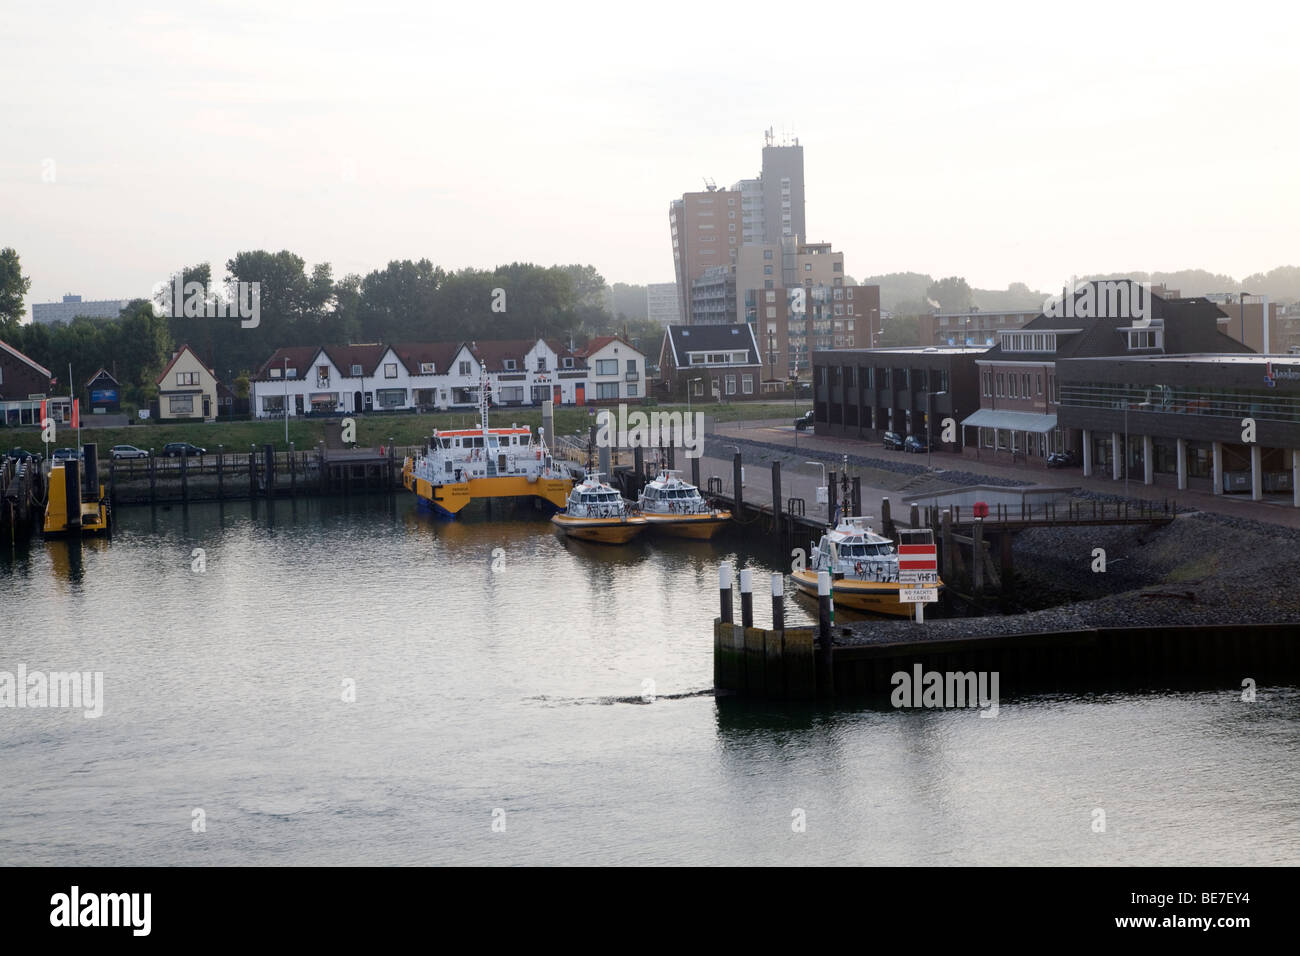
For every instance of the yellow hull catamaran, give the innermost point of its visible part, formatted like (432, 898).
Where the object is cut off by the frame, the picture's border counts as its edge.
(675, 507)
(461, 465)
(597, 512)
(863, 567)
(74, 498)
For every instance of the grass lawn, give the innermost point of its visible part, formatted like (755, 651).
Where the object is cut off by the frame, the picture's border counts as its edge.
(372, 429)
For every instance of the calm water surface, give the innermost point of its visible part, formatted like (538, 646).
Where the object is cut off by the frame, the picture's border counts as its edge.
(518, 692)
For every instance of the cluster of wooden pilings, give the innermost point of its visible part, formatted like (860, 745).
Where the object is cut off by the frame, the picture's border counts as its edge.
(802, 663)
(22, 496)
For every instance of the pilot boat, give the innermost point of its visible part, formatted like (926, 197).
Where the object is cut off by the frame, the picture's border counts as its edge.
(460, 465)
(863, 567)
(676, 507)
(597, 512)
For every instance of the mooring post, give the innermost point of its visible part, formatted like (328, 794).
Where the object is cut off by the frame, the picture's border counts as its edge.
(268, 454)
(778, 601)
(185, 476)
(776, 498)
(914, 516)
(977, 556)
(832, 496)
(825, 617)
(695, 471)
(857, 494)
(638, 469)
(221, 472)
(738, 478)
(293, 473)
(946, 546)
(252, 471)
(392, 465)
(746, 597)
(724, 591)
(153, 477)
(886, 522)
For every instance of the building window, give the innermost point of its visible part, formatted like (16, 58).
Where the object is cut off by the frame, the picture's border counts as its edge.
(390, 370)
(272, 403)
(609, 366)
(731, 385)
(182, 404)
(1024, 381)
(356, 371)
(999, 385)
(509, 365)
(631, 391)
(1013, 387)
(631, 366)
(699, 388)
(807, 267)
(187, 378)
(464, 368)
(747, 384)
(390, 397)
(541, 363)
(1039, 384)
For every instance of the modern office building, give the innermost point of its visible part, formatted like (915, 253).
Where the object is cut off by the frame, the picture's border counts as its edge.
(791, 324)
(783, 191)
(71, 307)
(863, 393)
(1246, 322)
(1019, 385)
(1208, 422)
(971, 328)
(661, 303)
(713, 297)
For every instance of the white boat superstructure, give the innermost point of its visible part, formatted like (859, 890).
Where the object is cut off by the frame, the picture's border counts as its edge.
(852, 549)
(668, 494)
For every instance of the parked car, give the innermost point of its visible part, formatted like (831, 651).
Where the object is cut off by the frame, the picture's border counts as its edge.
(804, 421)
(182, 449)
(893, 440)
(1062, 459)
(66, 454)
(127, 451)
(21, 454)
(914, 444)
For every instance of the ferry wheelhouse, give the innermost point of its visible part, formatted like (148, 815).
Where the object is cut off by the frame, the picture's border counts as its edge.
(676, 507)
(596, 511)
(461, 465)
(863, 566)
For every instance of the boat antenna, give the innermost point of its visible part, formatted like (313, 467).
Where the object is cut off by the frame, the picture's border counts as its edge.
(483, 387)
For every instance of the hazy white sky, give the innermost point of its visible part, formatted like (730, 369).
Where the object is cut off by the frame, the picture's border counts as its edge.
(1002, 142)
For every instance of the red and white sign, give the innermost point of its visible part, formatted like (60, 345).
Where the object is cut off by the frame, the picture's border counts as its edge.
(918, 565)
(917, 557)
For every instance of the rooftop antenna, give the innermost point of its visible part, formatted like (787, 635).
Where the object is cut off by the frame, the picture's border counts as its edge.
(709, 184)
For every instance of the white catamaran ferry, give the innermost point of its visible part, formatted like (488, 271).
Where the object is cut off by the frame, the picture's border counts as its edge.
(459, 465)
(676, 507)
(863, 567)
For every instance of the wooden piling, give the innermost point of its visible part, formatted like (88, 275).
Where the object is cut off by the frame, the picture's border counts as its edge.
(153, 478)
(886, 522)
(977, 556)
(825, 665)
(185, 477)
(857, 494)
(695, 471)
(221, 472)
(724, 591)
(776, 499)
(738, 478)
(778, 601)
(945, 545)
(914, 516)
(746, 598)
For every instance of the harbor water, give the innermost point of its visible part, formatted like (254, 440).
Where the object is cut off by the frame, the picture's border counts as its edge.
(355, 682)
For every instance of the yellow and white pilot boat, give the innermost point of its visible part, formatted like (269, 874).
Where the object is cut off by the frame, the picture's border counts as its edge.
(863, 567)
(597, 512)
(676, 507)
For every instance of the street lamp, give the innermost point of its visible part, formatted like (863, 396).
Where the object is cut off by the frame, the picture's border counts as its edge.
(823, 485)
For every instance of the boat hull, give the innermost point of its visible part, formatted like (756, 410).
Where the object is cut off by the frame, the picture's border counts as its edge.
(604, 530)
(877, 597)
(699, 527)
(449, 499)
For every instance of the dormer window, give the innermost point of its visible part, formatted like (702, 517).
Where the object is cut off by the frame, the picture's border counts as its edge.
(541, 364)
(568, 363)
(356, 371)
(1144, 339)
(510, 365)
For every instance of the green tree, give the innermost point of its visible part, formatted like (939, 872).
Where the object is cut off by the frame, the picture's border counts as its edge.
(951, 295)
(13, 288)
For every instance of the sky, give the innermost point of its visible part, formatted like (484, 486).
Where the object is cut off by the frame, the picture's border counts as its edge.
(1000, 142)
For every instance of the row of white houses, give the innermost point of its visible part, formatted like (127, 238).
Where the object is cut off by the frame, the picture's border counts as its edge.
(437, 376)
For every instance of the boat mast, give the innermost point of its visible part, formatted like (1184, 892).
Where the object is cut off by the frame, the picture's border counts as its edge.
(483, 399)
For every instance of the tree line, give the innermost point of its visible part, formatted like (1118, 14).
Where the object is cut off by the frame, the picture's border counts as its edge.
(405, 301)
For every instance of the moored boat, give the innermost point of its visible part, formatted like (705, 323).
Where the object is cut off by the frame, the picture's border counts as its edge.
(596, 511)
(863, 567)
(676, 507)
(460, 465)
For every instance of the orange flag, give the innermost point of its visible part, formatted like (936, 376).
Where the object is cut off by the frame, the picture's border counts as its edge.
(76, 413)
